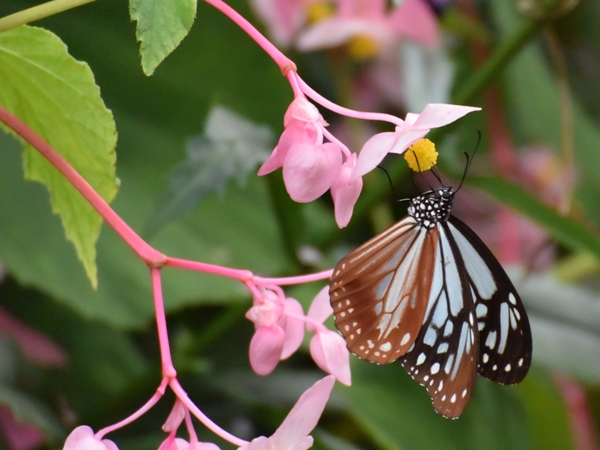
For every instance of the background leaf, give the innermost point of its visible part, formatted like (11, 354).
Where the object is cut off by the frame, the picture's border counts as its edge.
(231, 147)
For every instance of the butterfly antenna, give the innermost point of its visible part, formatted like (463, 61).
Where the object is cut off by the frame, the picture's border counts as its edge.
(469, 160)
(390, 180)
(421, 172)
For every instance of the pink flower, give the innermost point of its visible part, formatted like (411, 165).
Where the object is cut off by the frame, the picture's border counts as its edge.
(173, 443)
(327, 347)
(345, 192)
(310, 166)
(82, 438)
(279, 331)
(414, 128)
(293, 433)
(282, 17)
(413, 19)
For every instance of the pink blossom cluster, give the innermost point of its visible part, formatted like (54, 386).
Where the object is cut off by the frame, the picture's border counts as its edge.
(280, 324)
(312, 166)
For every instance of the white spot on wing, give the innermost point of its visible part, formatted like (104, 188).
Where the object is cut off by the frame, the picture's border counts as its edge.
(421, 359)
(385, 347)
(405, 339)
(435, 368)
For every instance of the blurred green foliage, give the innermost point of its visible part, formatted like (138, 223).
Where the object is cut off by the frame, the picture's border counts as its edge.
(109, 333)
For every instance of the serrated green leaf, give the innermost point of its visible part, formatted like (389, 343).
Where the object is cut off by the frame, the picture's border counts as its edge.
(56, 96)
(566, 231)
(231, 147)
(161, 26)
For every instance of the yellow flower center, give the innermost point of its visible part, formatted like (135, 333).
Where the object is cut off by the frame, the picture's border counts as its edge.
(319, 10)
(421, 156)
(363, 47)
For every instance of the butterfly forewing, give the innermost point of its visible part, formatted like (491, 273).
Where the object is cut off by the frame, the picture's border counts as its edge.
(444, 356)
(505, 344)
(379, 291)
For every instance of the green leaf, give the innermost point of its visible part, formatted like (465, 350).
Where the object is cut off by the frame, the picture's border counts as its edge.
(566, 335)
(230, 147)
(56, 96)
(161, 26)
(546, 412)
(566, 231)
(397, 413)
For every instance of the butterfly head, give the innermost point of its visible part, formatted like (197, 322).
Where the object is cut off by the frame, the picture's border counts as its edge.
(432, 206)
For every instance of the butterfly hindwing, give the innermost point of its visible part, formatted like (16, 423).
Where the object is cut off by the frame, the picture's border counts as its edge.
(444, 357)
(379, 291)
(504, 332)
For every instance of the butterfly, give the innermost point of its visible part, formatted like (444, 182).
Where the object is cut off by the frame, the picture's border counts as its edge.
(428, 291)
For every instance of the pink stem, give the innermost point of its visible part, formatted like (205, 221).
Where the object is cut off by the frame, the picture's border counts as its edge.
(182, 395)
(295, 280)
(152, 257)
(236, 274)
(190, 427)
(161, 324)
(284, 63)
(345, 111)
(140, 412)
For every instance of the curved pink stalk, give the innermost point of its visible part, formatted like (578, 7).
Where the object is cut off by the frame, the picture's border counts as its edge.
(182, 395)
(151, 256)
(310, 92)
(294, 280)
(284, 63)
(140, 412)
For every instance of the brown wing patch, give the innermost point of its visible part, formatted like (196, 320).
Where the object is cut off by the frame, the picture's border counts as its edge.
(379, 291)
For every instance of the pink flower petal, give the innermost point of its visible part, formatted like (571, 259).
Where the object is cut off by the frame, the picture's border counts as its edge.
(333, 32)
(175, 418)
(439, 114)
(266, 314)
(294, 328)
(265, 349)
(301, 110)
(182, 444)
(18, 435)
(406, 138)
(82, 438)
(320, 308)
(373, 153)
(295, 133)
(345, 193)
(304, 416)
(416, 20)
(309, 170)
(329, 351)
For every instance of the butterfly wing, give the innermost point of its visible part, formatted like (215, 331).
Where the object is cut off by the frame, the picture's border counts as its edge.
(379, 291)
(504, 332)
(444, 356)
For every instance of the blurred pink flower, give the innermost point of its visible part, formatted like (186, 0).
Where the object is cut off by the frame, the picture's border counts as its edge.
(82, 438)
(18, 435)
(414, 128)
(327, 347)
(282, 17)
(293, 433)
(413, 19)
(173, 443)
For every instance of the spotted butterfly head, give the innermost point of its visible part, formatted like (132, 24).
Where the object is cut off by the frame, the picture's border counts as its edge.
(432, 206)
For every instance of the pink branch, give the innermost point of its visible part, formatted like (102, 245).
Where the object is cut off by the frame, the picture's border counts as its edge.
(161, 324)
(152, 257)
(182, 395)
(284, 63)
(236, 274)
(140, 412)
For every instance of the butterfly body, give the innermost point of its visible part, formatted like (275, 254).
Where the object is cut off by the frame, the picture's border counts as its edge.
(429, 293)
